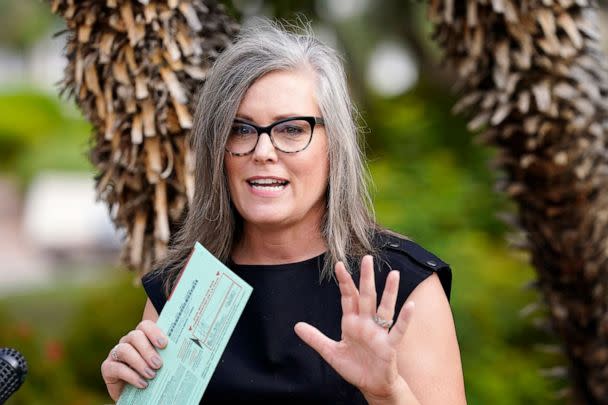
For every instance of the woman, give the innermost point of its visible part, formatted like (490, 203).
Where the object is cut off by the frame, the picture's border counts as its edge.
(281, 198)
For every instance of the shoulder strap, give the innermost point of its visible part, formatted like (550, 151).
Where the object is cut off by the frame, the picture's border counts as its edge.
(153, 285)
(418, 255)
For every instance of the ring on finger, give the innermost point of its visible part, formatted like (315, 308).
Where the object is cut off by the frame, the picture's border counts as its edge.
(114, 353)
(384, 323)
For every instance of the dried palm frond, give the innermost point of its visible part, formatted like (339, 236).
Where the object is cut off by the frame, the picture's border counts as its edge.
(533, 74)
(134, 68)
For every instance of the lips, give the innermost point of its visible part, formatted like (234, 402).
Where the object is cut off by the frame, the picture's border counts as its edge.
(267, 183)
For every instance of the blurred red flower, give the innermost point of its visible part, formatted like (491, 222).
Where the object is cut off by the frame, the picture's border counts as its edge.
(53, 350)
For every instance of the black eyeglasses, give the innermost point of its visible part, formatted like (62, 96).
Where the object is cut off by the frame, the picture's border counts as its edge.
(289, 135)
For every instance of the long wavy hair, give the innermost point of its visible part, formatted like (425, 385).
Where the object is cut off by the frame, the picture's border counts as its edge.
(261, 47)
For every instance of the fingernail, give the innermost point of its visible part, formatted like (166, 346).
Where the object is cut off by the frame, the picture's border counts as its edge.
(156, 361)
(161, 341)
(149, 372)
(142, 383)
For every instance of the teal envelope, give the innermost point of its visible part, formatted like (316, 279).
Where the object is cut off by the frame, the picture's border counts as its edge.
(199, 318)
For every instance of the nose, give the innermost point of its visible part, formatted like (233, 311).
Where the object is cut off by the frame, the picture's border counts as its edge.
(264, 151)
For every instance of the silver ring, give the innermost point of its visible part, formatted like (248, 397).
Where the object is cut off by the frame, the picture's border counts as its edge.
(385, 323)
(114, 353)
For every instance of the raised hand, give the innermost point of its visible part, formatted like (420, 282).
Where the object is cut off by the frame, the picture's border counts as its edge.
(367, 354)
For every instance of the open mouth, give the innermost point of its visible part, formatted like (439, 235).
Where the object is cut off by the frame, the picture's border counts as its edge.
(268, 184)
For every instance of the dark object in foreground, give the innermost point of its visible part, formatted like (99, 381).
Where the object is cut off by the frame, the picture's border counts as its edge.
(13, 370)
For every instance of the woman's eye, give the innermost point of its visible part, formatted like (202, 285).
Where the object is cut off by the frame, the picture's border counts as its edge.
(291, 130)
(241, 130)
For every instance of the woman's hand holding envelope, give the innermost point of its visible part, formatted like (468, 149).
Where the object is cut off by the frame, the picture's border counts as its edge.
(134, 359)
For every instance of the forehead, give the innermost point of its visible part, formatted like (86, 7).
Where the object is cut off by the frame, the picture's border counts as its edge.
(278, 94)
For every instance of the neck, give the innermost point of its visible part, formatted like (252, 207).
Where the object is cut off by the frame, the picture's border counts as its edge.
(279, 244)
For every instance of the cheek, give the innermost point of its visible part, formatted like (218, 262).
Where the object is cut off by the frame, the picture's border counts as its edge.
(231, 172)
(230, 168)
(316, 175)
(323, 167)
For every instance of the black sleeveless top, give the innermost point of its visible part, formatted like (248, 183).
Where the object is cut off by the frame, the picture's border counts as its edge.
(265, 360)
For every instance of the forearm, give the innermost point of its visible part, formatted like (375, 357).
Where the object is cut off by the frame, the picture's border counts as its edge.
(401, 395)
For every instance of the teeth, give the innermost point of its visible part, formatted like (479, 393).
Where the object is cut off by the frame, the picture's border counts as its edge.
(268, 187)
(267, 181)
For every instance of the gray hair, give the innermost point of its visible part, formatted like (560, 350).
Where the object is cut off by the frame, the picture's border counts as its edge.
(261, 47)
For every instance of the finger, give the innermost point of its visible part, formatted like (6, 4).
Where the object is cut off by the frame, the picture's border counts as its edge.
(138, 339)
(113, 384)
(348, 290)
(154, 333)
(115, 372)
(367, 287)
(317, 340)
(386, 310)
(128, 355)
(398, 331)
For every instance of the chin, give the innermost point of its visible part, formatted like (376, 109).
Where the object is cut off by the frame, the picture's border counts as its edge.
(266, 220)
(267, 216)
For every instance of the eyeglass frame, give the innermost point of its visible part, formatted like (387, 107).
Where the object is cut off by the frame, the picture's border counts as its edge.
(312, 121)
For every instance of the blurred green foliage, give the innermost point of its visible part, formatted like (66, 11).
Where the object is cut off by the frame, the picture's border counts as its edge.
(40, 132)
(22, 22)
(65, 333)
(426, 169)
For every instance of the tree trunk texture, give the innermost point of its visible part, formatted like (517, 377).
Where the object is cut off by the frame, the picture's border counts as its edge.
(134, 68)
(534, 80)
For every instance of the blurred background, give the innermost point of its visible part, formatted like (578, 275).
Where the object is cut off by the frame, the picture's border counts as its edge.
(65, 300)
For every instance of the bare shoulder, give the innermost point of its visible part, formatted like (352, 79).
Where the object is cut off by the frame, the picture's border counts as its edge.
(430, 294)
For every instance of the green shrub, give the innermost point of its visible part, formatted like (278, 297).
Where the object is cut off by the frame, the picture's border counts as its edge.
(65, 351)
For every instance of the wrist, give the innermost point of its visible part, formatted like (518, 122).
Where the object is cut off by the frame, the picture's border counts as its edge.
(399, 394)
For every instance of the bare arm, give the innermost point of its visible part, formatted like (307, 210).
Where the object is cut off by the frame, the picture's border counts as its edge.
(429, 356)
(150, 313)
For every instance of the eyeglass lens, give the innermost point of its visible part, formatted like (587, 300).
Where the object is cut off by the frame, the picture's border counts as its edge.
(287, 136)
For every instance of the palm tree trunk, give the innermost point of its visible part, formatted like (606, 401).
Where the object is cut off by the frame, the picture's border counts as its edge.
(535, 78)
(134, 68)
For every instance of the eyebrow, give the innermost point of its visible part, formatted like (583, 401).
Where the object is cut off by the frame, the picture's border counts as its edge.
(275, 118)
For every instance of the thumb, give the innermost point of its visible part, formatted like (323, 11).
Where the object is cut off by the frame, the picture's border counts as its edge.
(317, 340)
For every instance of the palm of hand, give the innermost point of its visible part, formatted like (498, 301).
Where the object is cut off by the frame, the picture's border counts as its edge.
(366, 356)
